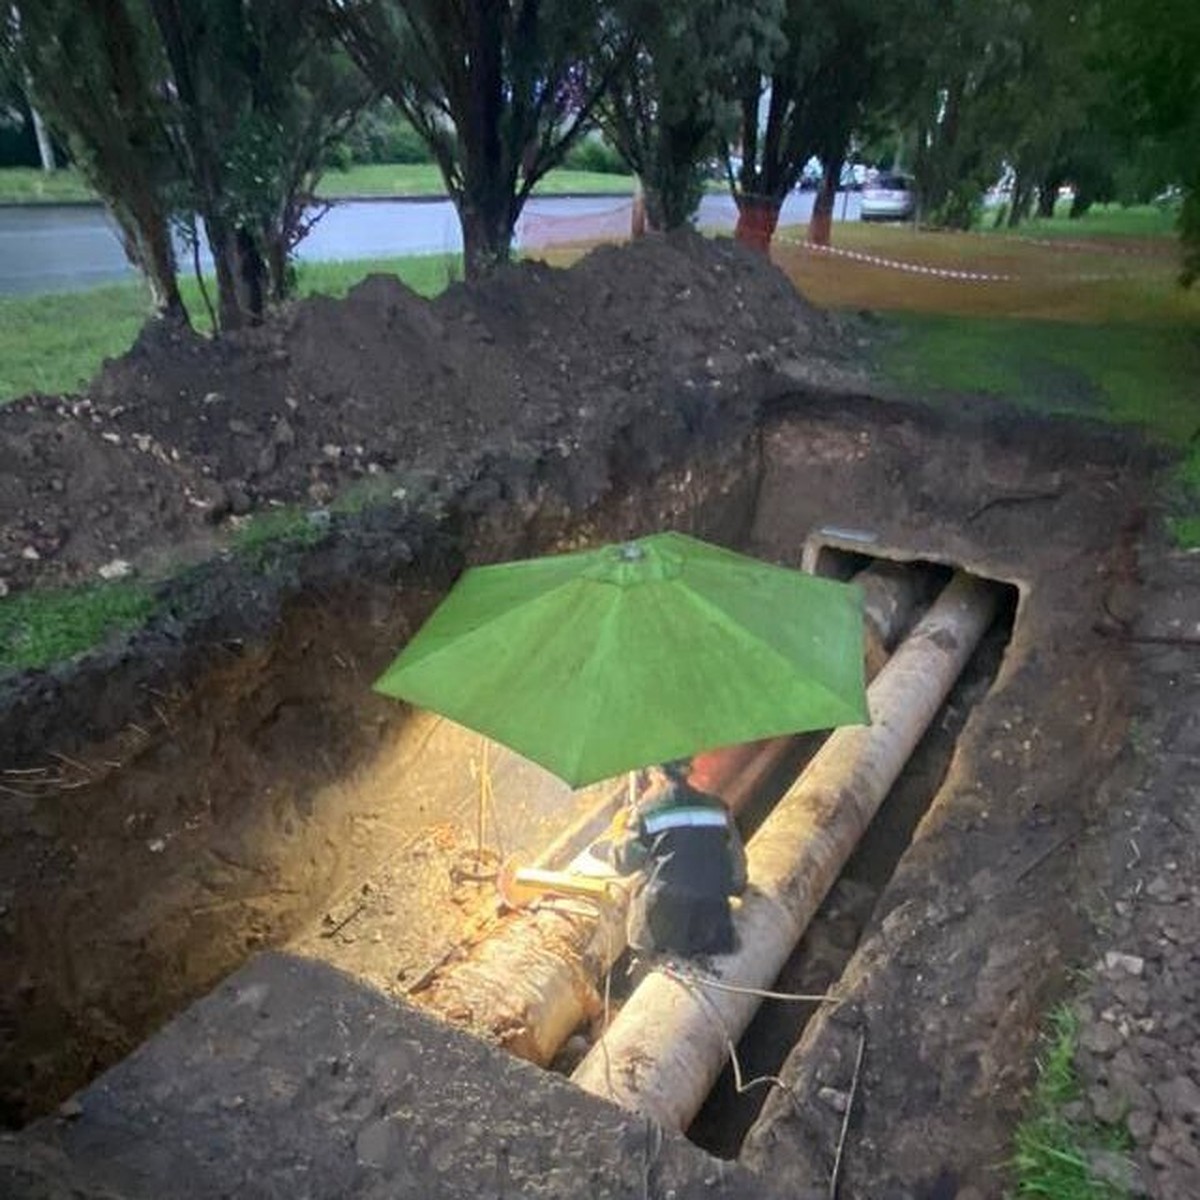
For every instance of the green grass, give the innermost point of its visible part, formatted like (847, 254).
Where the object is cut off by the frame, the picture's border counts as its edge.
(1131, 374)
(427, 274)
(260, 538)
(26, 185)
(1102, 220)
(37, 628)
(1051, 1158)
(424, 179)
(56, 342)
(1185, 531)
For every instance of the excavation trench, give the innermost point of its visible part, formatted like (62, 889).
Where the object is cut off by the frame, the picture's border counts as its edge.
(277, 803)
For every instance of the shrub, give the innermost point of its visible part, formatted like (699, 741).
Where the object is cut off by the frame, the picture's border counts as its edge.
(592, 154)
(381, 135)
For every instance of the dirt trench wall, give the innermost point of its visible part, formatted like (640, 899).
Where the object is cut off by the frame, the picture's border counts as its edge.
(972, 938)
(174, 804)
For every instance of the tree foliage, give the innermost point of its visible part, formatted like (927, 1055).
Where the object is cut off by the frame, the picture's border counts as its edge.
(950, 72)
(224, 110)
(1152, 49)
(496, 88)
(96, 70)
(674, 70)
(821, 76)
(258, 103)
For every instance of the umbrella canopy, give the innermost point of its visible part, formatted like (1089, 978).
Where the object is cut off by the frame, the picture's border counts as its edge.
(602, 661)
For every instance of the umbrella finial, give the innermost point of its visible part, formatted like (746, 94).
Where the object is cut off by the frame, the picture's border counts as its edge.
(631, 552)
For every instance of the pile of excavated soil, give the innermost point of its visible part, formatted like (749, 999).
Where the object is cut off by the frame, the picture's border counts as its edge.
(183, 431)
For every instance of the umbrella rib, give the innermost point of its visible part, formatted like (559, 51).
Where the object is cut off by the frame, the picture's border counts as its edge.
(609, 618)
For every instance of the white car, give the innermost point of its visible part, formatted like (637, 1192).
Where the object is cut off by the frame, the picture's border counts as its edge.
(888, 197)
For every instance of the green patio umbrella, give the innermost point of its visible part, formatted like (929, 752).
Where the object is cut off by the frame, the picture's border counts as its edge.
(610, 659)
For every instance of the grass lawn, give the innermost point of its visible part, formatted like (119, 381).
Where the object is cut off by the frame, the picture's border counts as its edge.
(1132, 373)
(1101, 220)
(424, 179)
(26, 185)
(56, 342)
(37, 628)
(1124, 348)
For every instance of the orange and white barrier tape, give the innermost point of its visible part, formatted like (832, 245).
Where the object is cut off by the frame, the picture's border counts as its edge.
(895, 264)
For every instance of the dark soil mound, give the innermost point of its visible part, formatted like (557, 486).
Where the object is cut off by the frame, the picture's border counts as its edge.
(182, 431)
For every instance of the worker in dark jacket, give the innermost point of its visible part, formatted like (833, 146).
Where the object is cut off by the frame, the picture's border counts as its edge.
(689, 846)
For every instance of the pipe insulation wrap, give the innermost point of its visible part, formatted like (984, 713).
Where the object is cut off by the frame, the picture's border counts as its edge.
(666, 1048)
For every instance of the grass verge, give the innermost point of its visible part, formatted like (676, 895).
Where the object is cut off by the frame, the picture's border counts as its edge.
(38, 628)
(1101, 220)
(1054, 1154)
(424, 179)
(56, 342)
(1141, 374)
(264, 535)
(27, 185)
(1128, 374)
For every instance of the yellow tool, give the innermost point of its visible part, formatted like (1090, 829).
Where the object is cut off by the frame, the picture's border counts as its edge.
(521, 886)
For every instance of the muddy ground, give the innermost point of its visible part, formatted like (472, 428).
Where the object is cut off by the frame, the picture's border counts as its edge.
(238, 736)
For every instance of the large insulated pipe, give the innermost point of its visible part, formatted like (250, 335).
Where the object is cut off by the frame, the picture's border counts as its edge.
(664, 1051)
(533, 981)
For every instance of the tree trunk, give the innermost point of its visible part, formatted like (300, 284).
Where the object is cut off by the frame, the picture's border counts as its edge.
(278, 269)
(1019, 201)
(757, 219)
(1048, 196)
(251, 277)
(658, 210)
(224, 255)
(821, 222)
(146, 238)
(1081, 202)
(241, 275)
(161, 273)
(487, 237)
(637, 220)
(44, 144)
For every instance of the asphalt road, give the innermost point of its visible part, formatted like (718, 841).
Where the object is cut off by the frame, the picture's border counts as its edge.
(49, 248)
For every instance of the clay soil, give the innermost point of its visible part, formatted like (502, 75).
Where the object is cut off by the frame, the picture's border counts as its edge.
(672, 383)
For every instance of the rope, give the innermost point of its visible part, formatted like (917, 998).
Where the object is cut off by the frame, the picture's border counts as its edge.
(741, 1085)
(686, 975)
(912, 268)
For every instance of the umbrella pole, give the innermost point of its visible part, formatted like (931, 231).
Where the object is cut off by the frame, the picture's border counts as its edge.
(483, 774)
(486, 802)
(666, 1048)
